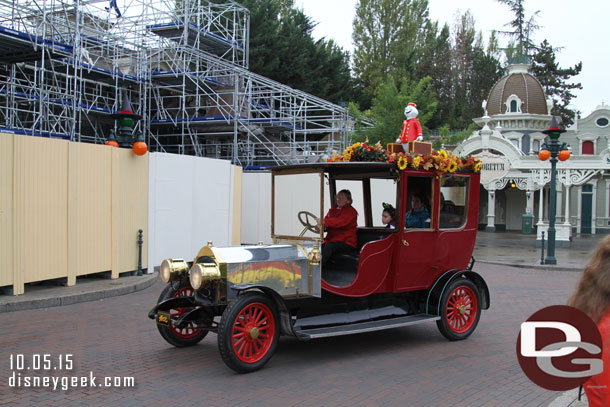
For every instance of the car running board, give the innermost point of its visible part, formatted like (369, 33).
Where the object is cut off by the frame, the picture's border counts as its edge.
(359, 327)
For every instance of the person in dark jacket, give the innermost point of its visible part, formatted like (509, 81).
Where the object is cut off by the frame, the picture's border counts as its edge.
(418, 216)
(340, 224)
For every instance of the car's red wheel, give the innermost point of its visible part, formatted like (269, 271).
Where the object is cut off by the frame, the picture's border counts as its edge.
(188, 335)
(459, 309)
(248, 332)
(191, 330)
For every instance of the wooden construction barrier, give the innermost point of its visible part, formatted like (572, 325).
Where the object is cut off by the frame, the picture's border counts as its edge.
(69, 209)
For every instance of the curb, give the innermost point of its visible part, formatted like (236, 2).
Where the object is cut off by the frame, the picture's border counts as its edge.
(531, 266)
(570, 399)
(143, 282)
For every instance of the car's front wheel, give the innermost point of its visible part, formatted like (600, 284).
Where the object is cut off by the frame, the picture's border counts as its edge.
(459, 309)
(248, 332)
(188, 335)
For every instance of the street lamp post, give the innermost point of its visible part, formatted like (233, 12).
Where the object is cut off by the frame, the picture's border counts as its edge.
(555, 151)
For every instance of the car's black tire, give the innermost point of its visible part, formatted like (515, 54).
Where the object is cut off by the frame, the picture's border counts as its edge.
(248, 332)
(188, 336)
(459, 309)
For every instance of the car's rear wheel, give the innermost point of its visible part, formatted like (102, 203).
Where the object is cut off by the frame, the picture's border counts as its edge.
(188, 335)
(248, 332)
(459, 309)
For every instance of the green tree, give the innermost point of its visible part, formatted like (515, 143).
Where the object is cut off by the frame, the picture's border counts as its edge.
(474, 73)
(435, 63)
(487, 70)
(388, 107)
(388, 36)
(554, 80)
(283, 49)
(264, 31)
(521, 34)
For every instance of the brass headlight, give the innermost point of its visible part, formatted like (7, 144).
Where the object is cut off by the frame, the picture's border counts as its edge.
(164, 271)
(201, 272)
(172, 269)
(196, 276)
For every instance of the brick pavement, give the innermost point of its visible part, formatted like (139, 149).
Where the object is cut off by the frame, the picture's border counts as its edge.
(412, 366)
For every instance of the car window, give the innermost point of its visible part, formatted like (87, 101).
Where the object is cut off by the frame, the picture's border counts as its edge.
(355, 187)
(383, 197)
(289, 200)
(453, 201)
(419, 209)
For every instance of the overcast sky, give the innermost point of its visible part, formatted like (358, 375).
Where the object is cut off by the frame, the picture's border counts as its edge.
(582, 28)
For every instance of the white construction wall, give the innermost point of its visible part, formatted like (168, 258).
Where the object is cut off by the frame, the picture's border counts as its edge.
(191, 202)
(256, 208)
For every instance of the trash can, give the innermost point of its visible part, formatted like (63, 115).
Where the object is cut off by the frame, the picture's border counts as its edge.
(527, 222)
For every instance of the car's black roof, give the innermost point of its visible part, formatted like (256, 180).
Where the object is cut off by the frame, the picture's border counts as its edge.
(340, 167)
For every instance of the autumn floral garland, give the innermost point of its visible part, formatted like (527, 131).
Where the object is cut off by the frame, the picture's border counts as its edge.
(440, 161)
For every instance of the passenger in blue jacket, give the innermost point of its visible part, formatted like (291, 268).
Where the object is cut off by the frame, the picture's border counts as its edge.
(418, 216)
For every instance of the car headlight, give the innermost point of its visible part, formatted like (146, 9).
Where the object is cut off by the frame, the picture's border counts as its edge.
(164, 271)
(201, 272)
(196, 276)
(172, 269)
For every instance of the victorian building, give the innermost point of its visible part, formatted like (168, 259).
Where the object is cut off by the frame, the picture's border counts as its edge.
(514, 182)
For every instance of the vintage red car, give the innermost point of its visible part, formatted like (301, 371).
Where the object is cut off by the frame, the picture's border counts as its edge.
(250, 295)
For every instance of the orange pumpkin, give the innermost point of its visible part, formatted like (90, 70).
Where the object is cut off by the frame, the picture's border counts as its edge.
(112, 143)
(140, 148)
(563, 155)
(544, 155)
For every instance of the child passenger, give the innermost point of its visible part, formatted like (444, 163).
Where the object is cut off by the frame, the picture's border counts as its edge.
(387, 216)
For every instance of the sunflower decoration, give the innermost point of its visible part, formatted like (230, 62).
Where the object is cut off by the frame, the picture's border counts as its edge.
(361, 152)
(416, 161)
(402, 162)
(453, 166)
(429, 164)
(439, 161)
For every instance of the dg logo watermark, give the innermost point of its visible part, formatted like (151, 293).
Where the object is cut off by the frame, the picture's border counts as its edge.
(559, 348)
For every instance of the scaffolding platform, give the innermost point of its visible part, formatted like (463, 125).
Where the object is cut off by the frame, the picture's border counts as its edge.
(56, 101)
(278, 124)
(175, 77)
(17, 46)
(195, 36)
(64, 67)
(100, 74)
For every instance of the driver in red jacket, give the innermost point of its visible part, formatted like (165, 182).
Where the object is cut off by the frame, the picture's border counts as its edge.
(340, 224)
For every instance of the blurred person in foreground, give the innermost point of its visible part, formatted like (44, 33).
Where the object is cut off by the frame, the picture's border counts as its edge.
(593, 298)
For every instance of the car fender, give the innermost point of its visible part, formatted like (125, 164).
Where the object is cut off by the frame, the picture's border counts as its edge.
(284, 314)
(438, 289)
(176, 302)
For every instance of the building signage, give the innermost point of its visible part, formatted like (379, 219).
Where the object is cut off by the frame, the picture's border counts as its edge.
(493, 167)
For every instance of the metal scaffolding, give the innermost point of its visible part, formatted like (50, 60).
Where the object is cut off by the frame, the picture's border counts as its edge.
(184, 66)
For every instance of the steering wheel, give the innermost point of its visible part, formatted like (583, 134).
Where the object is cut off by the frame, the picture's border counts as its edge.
(311, 226)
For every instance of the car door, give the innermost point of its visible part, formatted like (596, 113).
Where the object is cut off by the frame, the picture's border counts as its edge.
(415, 267)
